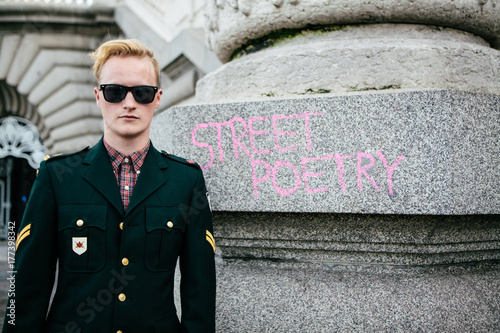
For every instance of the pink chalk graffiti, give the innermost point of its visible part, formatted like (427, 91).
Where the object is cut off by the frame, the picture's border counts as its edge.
(306, 116)
(364, 161)
(306, 174)
(253, 132)
(219, 137)
(363, 170)
(277, 133)
(340, 170)
(237, 142)
(256, 180)
(202, 144)
(285, 191)
(390, 168)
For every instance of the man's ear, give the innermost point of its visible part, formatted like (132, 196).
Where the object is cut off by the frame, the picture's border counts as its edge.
(97, 96)
(158, 98)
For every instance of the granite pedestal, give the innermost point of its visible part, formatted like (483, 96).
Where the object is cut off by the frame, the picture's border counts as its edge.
(369, 211)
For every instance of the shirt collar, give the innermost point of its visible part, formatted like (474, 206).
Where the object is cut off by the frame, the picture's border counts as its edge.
(117, 158)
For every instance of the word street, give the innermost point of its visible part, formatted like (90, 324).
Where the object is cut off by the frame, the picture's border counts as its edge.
(259, 137)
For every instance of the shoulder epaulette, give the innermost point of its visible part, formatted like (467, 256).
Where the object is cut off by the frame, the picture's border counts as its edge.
(58, 156)
(180, 159)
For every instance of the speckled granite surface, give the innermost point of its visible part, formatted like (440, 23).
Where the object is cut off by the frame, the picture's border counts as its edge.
(389, 152)
(359, 238)
(264, 296)
(360, 212)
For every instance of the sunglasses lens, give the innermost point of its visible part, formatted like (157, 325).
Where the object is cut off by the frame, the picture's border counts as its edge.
(144, 94)
(114, 93)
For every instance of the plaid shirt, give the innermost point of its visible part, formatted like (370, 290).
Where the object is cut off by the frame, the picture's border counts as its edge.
(126, 169)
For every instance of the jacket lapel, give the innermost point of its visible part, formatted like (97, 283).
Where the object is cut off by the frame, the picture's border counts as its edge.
(100, 175)
(153, 175)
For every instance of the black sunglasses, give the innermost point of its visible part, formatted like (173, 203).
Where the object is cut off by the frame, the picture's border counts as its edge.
(115, 93)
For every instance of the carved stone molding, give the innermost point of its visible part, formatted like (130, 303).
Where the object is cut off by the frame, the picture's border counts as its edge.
(358, 58)
(19, 138)
(44, 69)
(232, 24)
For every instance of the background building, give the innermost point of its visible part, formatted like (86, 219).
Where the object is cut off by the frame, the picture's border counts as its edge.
(47, 103)
(350, 147)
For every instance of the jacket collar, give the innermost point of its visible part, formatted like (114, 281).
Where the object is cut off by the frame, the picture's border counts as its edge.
(100, 175)
(153, 176)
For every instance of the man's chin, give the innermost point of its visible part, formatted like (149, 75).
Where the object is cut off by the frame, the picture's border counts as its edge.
(130, 135)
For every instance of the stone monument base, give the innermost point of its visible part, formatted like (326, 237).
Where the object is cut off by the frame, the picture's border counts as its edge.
(353, 272)
(365, 211)
(267, 296)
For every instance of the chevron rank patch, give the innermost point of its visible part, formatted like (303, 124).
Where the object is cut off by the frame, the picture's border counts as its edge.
(23, 234)
(211, 239)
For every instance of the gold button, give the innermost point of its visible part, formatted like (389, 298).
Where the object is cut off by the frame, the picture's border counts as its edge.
(119, 331)
(122, 297)
(125, 261)
(170, 224)
(79, 222)
(121, 226)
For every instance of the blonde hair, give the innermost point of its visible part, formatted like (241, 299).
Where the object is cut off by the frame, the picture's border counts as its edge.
(122, 47)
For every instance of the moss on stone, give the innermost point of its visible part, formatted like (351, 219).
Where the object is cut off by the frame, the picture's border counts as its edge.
(315, 91)
(391, 86)
(281, 36)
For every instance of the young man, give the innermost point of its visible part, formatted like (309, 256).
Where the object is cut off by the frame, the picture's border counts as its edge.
(116, 217)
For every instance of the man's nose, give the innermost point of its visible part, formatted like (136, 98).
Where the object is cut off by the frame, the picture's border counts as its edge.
(129, 99)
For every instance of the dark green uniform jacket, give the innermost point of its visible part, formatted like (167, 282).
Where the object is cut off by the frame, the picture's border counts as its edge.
(115, 269)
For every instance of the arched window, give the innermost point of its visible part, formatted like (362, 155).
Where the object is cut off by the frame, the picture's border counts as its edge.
(20, 154)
